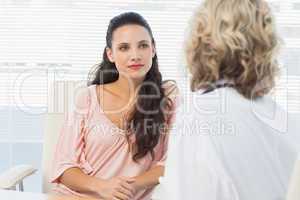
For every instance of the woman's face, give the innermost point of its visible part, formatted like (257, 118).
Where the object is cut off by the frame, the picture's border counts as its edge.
(132, 51)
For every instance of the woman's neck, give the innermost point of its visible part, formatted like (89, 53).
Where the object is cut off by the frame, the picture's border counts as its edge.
(125, 88)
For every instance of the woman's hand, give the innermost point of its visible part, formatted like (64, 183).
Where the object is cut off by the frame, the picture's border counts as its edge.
(117, 188)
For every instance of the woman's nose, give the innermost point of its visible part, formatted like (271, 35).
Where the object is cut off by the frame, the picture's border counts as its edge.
(135, 54)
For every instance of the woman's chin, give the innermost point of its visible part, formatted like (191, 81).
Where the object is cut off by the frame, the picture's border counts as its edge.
(137, 74)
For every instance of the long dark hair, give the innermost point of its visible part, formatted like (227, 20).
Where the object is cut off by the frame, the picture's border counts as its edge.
(144, 123)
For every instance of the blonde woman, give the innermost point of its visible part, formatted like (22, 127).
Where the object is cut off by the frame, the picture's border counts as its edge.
(229, 142)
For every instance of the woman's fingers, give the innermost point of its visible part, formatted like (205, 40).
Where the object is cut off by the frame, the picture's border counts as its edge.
(127, 186)
(125, 192)
(121, 196)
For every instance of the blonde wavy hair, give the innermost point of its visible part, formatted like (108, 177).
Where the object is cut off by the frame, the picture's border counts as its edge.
(233, 40)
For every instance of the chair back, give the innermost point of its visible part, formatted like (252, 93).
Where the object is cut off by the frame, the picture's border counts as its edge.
(60, 101)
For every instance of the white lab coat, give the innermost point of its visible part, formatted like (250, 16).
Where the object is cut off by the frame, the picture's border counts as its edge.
(226, 147)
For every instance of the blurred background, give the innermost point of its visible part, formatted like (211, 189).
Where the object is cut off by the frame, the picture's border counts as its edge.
(42, 41)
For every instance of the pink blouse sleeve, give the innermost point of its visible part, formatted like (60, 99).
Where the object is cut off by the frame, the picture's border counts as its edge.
(70, 148)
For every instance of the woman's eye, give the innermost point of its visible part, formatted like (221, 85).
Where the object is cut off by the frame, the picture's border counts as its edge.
(144, 46)
(123, 48)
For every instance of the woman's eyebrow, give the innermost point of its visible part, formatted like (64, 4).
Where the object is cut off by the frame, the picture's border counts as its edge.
(126, 43)
(143, 41)
(123, 43)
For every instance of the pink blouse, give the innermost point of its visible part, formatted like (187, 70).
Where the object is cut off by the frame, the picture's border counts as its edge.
(90, 141)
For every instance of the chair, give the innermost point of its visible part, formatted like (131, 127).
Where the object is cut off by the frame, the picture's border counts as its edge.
(60, 91)
(15, 176)
(54, 122)
(62, 95)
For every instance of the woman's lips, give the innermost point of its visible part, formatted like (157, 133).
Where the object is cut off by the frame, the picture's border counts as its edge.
(136, 66)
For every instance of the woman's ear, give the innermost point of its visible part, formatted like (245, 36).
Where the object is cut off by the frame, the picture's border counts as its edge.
(153, 51)
(109, 54)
